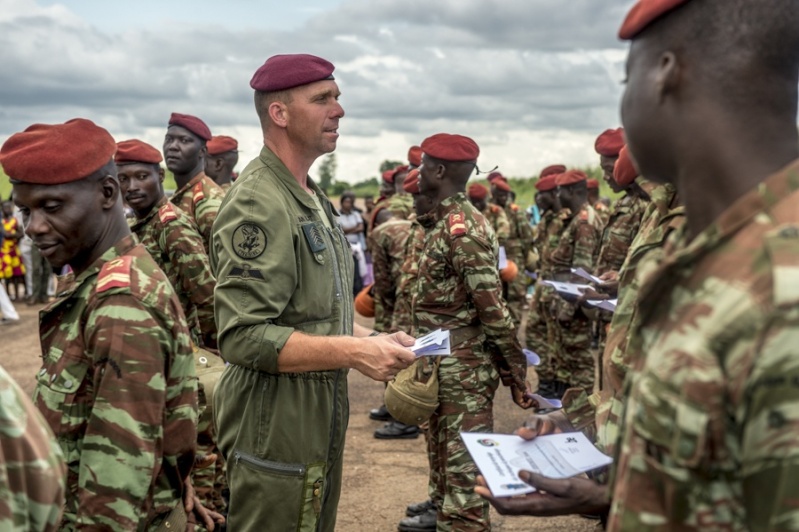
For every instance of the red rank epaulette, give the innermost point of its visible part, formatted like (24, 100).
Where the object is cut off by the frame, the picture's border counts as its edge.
(199, 195)
(457, 224)
(114, 274)
(514, 207)
(166, 213)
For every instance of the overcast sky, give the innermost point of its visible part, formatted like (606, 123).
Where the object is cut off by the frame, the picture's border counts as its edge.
(532, 81)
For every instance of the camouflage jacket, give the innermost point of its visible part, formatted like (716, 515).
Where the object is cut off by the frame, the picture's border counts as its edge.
(387, 243)
(458, 282)
(709, 440)
(32, 470)
(174, 242)
(498, 221)
(603, 211)
(118, 388)
(577, 248)
(520, 240)
(200, 198)
(619, 232)
(402, 320)
(401, 205)
(548, 233)
(598, 415)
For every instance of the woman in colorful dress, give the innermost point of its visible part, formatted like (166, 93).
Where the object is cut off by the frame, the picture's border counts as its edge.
(11, 267)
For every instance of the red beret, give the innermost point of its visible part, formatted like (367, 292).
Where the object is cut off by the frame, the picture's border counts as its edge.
(609, 142)
(493, 176)
(136, 151)
(454, 148)
(46, 154)
(570, 178)
(192, 123)
(644, 13)
(415, 156)
(281, 72)
(554, 169)
(547, 183)
(477, 191)
(501, 184)
(411, 183)
(592, 184)
(624, 173)
(388, 176)
(398, 170)
(221, 144)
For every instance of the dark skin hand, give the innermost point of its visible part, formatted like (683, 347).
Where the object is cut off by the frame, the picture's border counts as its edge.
(196, 512)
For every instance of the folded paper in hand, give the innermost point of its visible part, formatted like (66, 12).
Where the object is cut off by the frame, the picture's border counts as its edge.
(585, 275)
(604, 304)
(435, 343)
(567, 288)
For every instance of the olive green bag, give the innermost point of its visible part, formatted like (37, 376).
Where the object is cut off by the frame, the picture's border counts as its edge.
(412, 396)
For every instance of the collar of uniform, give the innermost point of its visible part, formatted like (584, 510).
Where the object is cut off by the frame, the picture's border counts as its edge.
(446, 206)
(149, 216)
(268, 158)
(67, 284)
(193, 181)
(661, 195)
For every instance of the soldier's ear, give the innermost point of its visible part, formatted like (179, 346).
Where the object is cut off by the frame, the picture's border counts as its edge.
(278, 113)
(161, 175)
(109, 189)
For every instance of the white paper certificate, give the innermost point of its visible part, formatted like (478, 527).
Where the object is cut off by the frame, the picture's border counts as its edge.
(500, 458)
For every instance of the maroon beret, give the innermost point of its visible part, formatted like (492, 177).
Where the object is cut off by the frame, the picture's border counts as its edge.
(592, 184)
(191, 123)
(281, 72)
(624, 173)
(221, 144)
(570, 178)
(644, 13)
(46, 154)
(388, 176)
(477, 191)
(136, 151)
(546, 183)
(494, 176)
(609, 142)
(554, 169)
(453, 148)
(411, 183)
(415, 156)
(501, 184)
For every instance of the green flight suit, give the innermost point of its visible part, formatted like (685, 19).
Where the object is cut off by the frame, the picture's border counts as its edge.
(279, 269)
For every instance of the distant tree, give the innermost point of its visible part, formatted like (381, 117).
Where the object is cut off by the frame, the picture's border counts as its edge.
(327, 172)
(388, 165)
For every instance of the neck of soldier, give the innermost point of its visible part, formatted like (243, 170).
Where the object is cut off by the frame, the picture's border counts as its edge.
(182, 179)
(224, 177)
(731, 164)
(116, 229)
(295, 160)
(143, 212)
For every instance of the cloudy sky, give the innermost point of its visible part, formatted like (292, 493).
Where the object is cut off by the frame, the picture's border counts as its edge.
(532, 81)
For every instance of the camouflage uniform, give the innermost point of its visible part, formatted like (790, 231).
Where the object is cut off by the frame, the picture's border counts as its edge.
(387, 243)
(200, 198)
(709, 439)
(118, 388)
(516, 248)
(172, 239)
(598, 415)
(401, 205)
(539, 333)
(32, 469)
(603, 211)
(498, 221)
(402, 319)
(458, 289)
(572, 329)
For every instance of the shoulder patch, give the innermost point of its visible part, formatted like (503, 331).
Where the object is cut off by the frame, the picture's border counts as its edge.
(114, 274)
(457, 224)
(166, 213)
(198, 193)
(249, 241)
(514, 207)
(782, 245)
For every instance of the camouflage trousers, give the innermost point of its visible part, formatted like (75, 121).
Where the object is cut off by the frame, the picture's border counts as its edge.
(206, 480)
(538, 334)
(467, 383)
(516, 291)
(576, 358)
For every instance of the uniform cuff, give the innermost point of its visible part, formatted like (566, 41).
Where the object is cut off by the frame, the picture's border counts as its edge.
(580, 410)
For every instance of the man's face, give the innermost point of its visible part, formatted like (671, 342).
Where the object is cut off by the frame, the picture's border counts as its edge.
(369, 202)
(547, 201)
(8, 209)
(429, 174)
(608, 164)
(182, 150)
(64, 221)
(313, 117)
(479, 204)
(422, 204)
(566, 197)
(141, 186)
(501, 197)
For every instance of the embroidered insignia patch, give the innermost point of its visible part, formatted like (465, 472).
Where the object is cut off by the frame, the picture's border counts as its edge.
(245, 271)
(314, 236)
(457, 224)
(166, 213)
(198, 193)
(114, 274)
(249, 241)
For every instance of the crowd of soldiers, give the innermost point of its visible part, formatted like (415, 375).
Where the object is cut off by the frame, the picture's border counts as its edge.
(195, 359)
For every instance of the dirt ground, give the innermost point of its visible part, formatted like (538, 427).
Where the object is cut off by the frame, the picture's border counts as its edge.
(381, 477)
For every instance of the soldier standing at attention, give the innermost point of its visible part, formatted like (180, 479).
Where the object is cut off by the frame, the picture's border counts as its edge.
(494, 214)
(285, 313)
(401, 203)
(708, 440)
(458, 289)
(596, 202)
(185, 151)
(117, 384)
(32, 470)
(223, 156)
(577, 248)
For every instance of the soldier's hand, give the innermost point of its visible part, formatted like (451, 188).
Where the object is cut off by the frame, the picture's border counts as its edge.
(590, 293)
(196, 512)
(610, 282)
(385, 355)
(523, 398)
(541, 424)
(554, 497)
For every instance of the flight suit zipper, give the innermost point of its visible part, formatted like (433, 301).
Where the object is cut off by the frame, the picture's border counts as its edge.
(294, 470)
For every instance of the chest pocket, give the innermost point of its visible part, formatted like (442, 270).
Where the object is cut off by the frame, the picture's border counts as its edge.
(314, 234)
(61, 393)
